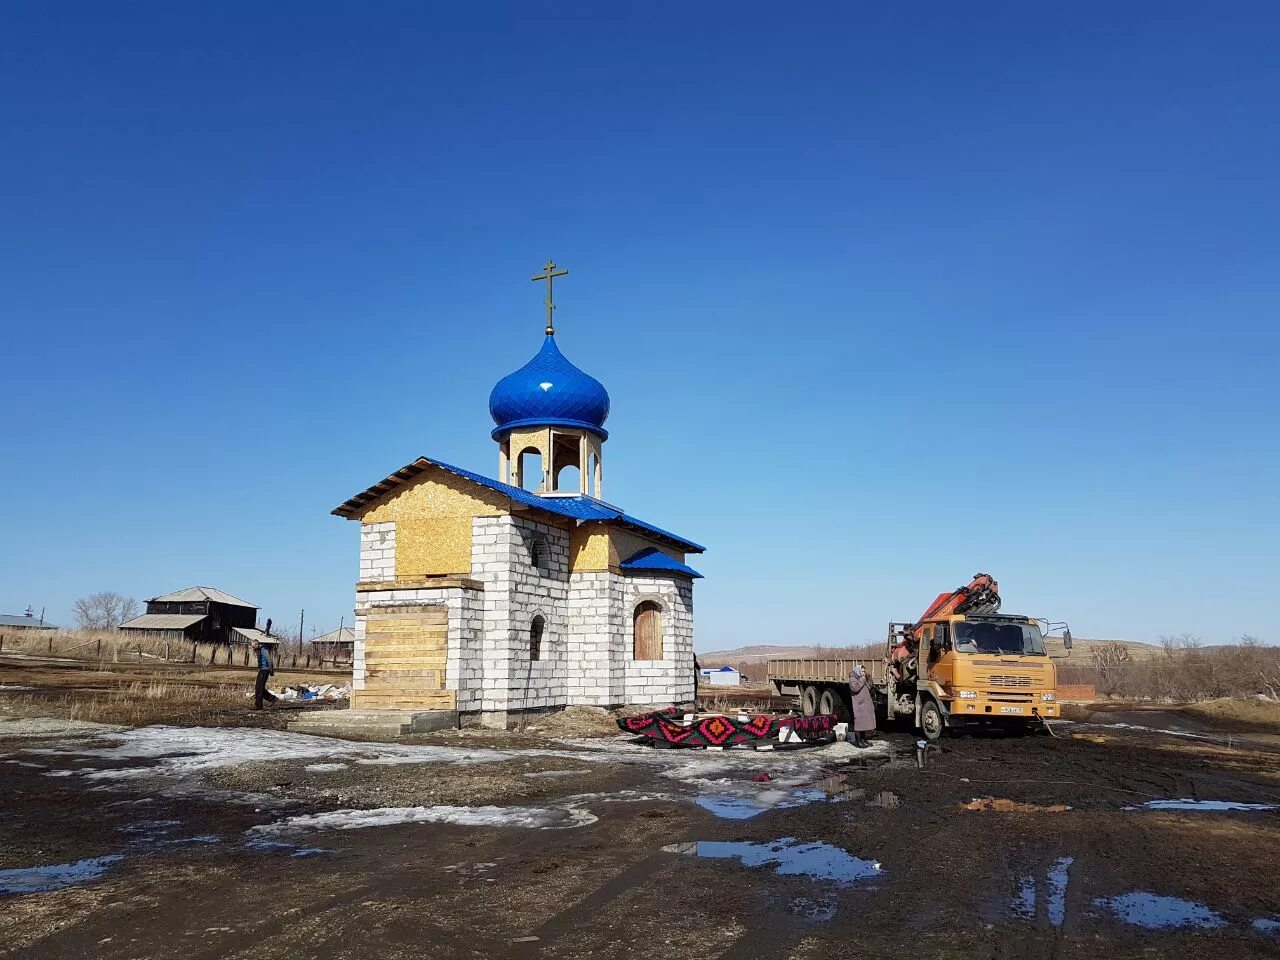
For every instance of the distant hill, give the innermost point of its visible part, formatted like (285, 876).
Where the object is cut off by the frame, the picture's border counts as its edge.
(1081, 648)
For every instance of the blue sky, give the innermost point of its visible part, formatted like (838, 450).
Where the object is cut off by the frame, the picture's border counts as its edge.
(883, 296)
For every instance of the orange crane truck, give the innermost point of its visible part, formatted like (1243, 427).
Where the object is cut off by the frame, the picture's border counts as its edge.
(961, 664)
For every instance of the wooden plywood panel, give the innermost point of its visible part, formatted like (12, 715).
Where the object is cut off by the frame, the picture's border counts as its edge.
(648, 632)
(406, 650)
(433, 546)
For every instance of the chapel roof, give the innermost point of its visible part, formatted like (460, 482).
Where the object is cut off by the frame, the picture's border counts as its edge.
(652, 559)
(580, 508)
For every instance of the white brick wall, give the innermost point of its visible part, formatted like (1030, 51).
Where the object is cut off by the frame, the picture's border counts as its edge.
(587, 644)
(602, 667)
(515, 592)
(378, 551)
(669, 680)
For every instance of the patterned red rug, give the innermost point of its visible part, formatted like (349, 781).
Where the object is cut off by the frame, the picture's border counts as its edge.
(720, 730)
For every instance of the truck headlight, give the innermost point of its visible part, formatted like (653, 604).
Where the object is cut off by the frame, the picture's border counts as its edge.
(968, 695)
(1048, 697)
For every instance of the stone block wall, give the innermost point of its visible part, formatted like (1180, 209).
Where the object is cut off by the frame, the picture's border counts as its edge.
(516, 591)
(669, 680)
(596, 673)
(603, 670)
(378, 551)
(587, 649)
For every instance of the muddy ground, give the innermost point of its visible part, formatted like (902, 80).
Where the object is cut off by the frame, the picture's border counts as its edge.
(537, 847)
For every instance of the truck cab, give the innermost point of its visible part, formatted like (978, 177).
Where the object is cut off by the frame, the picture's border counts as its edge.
(970, 669)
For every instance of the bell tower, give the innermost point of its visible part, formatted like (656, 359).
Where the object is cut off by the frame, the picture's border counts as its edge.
(550, 419)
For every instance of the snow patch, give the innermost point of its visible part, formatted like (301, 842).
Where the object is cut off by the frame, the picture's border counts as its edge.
(540, 818)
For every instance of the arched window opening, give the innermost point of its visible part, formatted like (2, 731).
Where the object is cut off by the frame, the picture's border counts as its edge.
(593, 476)
(647, 631)
(529, 470)
(569, 479)
(566, 454)
(535, 637)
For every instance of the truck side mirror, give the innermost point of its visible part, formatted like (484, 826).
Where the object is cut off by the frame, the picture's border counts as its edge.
(1066, 638)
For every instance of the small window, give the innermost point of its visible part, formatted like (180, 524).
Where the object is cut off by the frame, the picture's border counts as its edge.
(942, 636)
(535, 637)
(537, 554)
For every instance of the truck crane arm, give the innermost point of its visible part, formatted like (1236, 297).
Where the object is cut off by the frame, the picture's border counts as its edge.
(981, 595)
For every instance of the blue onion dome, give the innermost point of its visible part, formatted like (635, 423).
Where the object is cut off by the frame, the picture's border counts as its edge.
(549, 391)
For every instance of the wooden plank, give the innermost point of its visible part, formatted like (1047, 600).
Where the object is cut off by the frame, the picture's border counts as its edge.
(409, 673)
(405, 677)
(391, 640)
(432, 613)
(420, 583)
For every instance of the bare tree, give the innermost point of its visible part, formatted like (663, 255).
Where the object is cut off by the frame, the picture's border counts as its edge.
(104, 611)
(1112, 661)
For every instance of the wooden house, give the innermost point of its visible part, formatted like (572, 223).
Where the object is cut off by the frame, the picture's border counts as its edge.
(195, 615)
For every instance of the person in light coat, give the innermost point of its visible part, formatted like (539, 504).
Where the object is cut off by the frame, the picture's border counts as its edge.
(864, 710)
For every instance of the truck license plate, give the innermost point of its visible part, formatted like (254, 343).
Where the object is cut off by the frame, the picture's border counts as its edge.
(1010, 710)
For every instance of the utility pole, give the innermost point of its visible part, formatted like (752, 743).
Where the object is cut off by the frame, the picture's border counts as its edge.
(302, 614)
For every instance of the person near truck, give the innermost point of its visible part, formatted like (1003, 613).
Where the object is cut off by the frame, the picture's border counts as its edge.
(260, 691)
(864, 710)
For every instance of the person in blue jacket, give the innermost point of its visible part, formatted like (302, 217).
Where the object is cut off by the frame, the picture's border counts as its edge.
(260, 691)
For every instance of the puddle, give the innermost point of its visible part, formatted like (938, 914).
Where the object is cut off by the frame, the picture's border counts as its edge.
(788, 858)
(886, 800)
(554, 774)
(150, 828)
(734, 806)
(837, 787)
(1153, 912)
(761, 794)
(1203, 805)
(324, 767)
(1003, 805)
(542, 818)
(55, 876)
(1058, 878)
(1263, 925)
(815, 911)
(1024, 901)
(280, 846)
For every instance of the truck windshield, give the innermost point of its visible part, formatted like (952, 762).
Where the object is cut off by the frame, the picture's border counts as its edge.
(977, 636)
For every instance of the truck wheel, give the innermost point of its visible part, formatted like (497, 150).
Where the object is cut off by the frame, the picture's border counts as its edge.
(809, 701)
(932, 723)
(833, 703)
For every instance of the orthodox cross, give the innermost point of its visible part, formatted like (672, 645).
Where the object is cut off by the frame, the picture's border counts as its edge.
(549, 274)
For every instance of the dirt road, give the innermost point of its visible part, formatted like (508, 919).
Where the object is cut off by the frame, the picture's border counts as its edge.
(252, 842)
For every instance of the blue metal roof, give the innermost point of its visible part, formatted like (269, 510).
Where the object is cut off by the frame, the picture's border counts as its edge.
(549, 391)
(653, 559)
(576, 508)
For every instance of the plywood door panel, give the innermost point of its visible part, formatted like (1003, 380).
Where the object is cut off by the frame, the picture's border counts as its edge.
(405, 651)
(648, 632)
